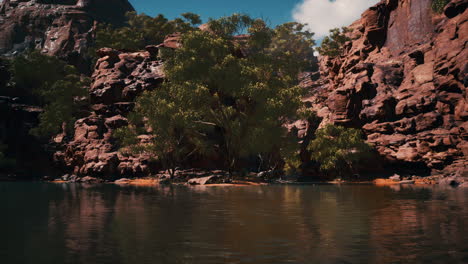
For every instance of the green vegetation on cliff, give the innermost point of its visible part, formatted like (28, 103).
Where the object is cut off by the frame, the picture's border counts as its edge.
(225, 93)
(142, 30)
(439, 5)
(50, 83)
(339, 150)
(332, 45)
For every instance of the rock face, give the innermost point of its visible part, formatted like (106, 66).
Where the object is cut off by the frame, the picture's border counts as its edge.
(117, 80)
(402, 78)
(60, 28)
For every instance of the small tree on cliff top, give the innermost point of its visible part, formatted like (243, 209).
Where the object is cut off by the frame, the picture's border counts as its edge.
(142, 30)
(238, 90)
(332, 45)
(339, 149)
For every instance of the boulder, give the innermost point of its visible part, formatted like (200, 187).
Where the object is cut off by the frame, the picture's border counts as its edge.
(207, 180)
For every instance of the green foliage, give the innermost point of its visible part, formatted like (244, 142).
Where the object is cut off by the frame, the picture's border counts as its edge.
(439, 5)
(217, 96)
(50, 83)
(339, 149)
(290, 152)
(63, 100)
(332, 45)
(33, 72)
(173, 123)
(142, 30)
(291, 40)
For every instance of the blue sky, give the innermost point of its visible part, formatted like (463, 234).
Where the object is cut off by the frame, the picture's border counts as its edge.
(321, 15)
(277, 11)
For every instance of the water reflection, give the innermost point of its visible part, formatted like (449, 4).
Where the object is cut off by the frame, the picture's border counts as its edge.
(46, 223)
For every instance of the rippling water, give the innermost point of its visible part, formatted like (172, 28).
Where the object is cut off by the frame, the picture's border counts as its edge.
(53, 223)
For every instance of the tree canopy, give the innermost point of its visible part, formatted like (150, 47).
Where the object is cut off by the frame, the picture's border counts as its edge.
(226, 92)
(50, 83)
(142, 30)
(332, 45)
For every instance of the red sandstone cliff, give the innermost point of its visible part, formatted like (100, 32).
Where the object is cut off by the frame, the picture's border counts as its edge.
(60, 28)
(402, 78)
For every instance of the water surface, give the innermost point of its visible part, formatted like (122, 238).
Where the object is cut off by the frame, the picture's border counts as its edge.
(68, 223)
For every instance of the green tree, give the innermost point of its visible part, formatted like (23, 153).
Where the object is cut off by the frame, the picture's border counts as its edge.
(33, 72)
(339, 149)
(439, 5)
(332, 45)
(170, 116)
(64, 99)
(48, 82)
(291, 45)
(228, 92)
(142, 30)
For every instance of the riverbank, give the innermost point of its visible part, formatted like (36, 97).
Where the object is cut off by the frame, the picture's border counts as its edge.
(218, 180)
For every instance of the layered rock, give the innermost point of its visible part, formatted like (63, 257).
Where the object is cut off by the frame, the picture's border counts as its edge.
(117, 80)
(62, 28)
(402, 78)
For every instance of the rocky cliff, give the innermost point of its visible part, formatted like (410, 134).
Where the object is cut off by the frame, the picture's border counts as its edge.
(402, 78)
(118, 78)
(60, 28)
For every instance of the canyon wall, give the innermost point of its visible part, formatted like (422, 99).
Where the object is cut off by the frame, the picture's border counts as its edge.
(62, 28)
(402, 79)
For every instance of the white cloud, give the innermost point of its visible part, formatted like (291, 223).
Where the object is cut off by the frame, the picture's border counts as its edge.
(323, 15)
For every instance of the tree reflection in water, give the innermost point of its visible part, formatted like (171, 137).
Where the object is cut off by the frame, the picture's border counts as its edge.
(47, 223)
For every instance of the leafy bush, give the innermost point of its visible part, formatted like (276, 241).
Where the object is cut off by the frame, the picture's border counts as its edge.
(339, 149)
(50, 83)
(142, 30)
(439, 5)
(34, 72)
(224, 93)
(63, 100)
(332, 45)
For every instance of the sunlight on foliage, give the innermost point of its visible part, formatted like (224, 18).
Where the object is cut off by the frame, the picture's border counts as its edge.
(339, 149)
(227, 93)
(332, 45)
(142, 30)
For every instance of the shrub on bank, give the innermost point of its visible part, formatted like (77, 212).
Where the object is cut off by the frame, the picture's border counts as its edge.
(339, 150)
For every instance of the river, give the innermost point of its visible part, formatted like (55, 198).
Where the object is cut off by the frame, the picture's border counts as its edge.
(71, 223)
